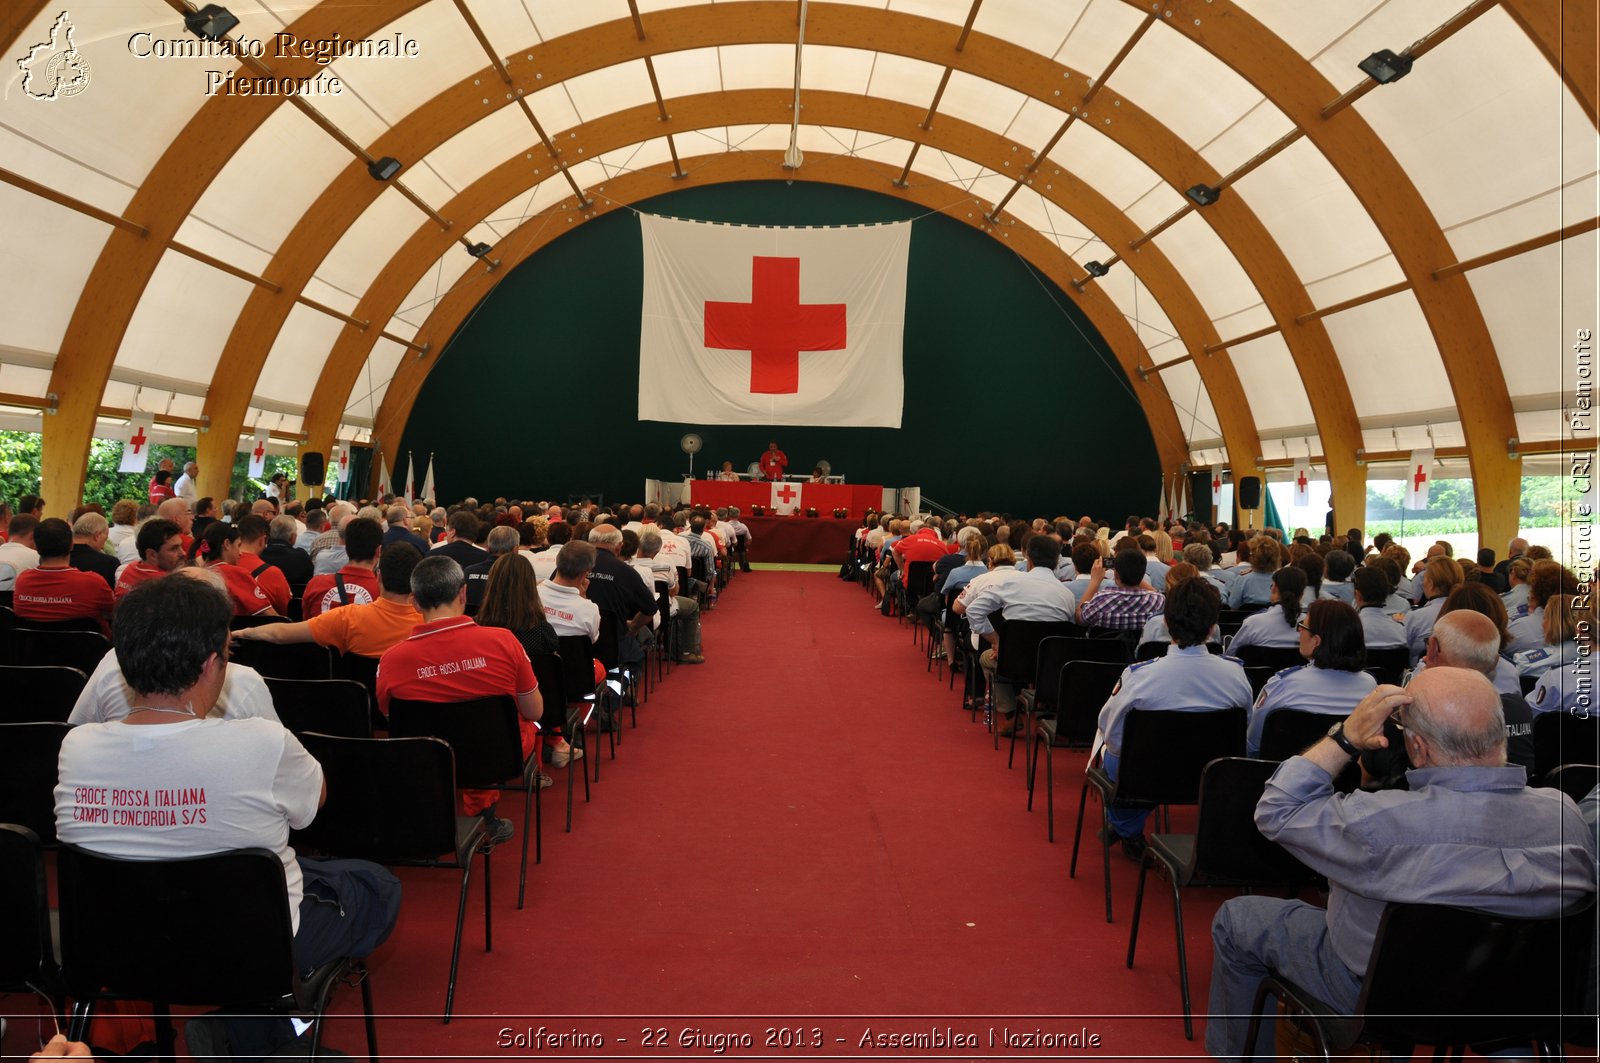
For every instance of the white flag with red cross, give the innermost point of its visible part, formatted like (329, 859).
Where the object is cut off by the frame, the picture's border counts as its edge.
(1302, 487)
(753, 325)
(785, 498)
(258, 456)
(136, 448)
(1417, 474)
(1216, 490)
(344, 464)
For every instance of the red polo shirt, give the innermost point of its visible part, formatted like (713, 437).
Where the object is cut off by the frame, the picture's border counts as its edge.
(271, 580)
(454, 659)
(60, 594)
(923, 546)
(135, 574)
(247, 596)
(360, 584)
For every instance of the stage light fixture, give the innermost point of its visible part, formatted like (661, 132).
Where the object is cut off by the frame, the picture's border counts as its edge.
(1203, 195)
(1097, 269)
(384, 168)
(211, 23)
(478, 250)
(1384, 66)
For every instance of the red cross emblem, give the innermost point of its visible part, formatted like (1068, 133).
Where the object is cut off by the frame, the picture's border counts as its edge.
(344, 460)
(138, 439)
(774, 326)
(786, 494)
(1216, 485)
(1301, 482)
(261, 448)
(1418, 480)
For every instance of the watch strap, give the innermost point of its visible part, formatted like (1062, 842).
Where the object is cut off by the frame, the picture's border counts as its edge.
(1342, 740)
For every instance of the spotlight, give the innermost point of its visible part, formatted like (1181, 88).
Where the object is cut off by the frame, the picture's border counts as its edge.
(477, 250)
(1096, 269)
(1383, 66)
(384, 168)
(1203, 195)
(212, 22)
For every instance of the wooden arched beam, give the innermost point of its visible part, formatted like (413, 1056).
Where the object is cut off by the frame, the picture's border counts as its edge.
(560, 218)
(913, 36)
(1567, 34)
(126, 262)
(15, 17)
(514, 177)
(1402, 215)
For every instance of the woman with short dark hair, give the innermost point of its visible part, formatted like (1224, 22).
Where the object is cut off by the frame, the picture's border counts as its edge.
(1330, 682)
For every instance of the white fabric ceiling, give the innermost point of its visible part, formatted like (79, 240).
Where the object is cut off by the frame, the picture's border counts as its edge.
(1484, 128)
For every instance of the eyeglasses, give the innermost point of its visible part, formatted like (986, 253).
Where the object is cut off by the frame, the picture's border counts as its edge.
(1398, 719)
(1303, 626)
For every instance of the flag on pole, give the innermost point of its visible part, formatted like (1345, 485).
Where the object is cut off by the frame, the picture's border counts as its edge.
(427, 483)
(1216, 490)
(258, 456)
(136, 448)
(785, 498)
(411, 480)
(1164, 509)
(1302, 487)
(344, 463)
(745, 324)
(1417, 479)
(384, 485)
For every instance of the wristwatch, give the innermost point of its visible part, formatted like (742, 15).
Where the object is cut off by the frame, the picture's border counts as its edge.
(1336, 732)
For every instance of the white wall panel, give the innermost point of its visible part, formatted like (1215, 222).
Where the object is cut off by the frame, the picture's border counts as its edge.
(50, 252)
(183, 320)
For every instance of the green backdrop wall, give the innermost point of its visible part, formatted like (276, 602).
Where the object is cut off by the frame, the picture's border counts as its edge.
(1012, 400)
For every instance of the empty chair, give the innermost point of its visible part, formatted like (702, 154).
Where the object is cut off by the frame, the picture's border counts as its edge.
(1084, 687)
(289, 660)
(38, 693)
(393, 801)
(1562, 738)
(1040, 700)
(28, 756)
(237, 955)
(1276, 658)
(328, 706)
(1574, 780)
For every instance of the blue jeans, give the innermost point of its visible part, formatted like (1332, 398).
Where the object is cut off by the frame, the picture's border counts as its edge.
(1128, 822)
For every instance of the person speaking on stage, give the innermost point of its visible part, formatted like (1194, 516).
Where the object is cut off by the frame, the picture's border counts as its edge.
(773, 462)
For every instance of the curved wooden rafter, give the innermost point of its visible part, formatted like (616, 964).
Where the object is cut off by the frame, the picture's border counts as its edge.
(1568, 35)
(536, 232)
(1419, 245)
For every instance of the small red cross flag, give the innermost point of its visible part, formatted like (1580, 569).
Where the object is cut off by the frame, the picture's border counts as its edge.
(344, 464)
(1417, 474)
(785, 498)
(136, 448)
(258, 456)
(1302, 487)
(772, 326)
(1216, 489)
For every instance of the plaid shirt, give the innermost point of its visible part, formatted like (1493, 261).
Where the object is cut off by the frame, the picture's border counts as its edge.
(1123, 608)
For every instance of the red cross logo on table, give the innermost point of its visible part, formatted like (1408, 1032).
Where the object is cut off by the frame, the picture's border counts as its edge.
(786, 494)
(261, 448)
(774, 326)
(1418, 480)
(138, 439)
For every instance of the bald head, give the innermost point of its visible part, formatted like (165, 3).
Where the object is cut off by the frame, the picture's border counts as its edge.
(1465, 639)
(1517, 547)
(264, 508)
(606, 537)
(178, 512)
(1456, 714)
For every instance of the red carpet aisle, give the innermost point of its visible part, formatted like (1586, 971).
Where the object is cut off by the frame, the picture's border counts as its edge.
(805, 825)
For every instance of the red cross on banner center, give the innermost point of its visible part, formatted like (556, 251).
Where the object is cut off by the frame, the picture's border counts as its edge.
(261, 449)
(786, 494)
(138, 439)
(1301, 482)
(1419, 479)
(774, 326)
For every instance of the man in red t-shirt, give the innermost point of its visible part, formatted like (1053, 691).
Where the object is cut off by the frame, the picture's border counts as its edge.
(773, 462)
(55, 590)
(357, 583)
(450, 658)
(252, 540)
(160, 547)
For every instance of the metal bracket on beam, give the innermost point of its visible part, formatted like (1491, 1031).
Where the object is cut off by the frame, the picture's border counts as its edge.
(1511, 448)
(205, 423)
(52, 403)
(1361, 457)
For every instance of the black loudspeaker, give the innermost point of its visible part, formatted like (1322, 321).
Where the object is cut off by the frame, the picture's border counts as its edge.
(313, 468)
(1249, 492)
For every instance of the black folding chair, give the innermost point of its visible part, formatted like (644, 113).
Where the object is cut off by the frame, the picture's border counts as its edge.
(1164, 753)
(916, 583)
(27, 944)
(1276, 658)
(238, 955)
(578, 655)
(28, 756)
(1085, 686)
(290, 660)
(1017, 661)
(1388, 664)
(328, 706)
(1562, 738)
(39, 693)
(239, 623)
(393, 801)
(65, 647)
(1574, 780)
(1040, 701)
(486, 739)
(1258, 676)
(563, 718)
(1451, 977)
(1226, 849)
(1290, 732)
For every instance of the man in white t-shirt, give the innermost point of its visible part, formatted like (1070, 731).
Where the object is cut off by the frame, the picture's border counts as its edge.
(185, 488)
(168, 781)
(17, 553)
(565, 606)
(674, 547)
(544, 561)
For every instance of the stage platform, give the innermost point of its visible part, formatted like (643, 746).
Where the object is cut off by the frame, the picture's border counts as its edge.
(800, 540)
(854, 499)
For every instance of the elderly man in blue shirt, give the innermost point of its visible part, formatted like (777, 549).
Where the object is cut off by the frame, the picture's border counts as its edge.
(1468, 832)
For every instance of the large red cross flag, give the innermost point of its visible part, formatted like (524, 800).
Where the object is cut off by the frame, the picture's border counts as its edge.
(754, 325)
(1417, 474)
(258, 457)
(344, 464)
(1302, 487)
(136, 448)
(785, 498)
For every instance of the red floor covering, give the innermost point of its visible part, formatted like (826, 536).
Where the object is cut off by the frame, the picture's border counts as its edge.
(804, 834)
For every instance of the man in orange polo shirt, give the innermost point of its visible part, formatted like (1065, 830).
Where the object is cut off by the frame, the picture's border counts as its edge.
(450, 658)
(363, 630)
(357, 582)
(55, 590)
(160, 546)
(252, 540)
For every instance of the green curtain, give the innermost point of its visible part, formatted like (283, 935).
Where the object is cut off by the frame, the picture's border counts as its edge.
(1272, 520)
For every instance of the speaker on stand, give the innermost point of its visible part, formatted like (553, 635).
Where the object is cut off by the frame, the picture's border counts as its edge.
(313, 468)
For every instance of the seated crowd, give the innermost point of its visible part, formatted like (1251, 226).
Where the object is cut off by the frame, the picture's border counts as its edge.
(442, 604)
(1446, 811)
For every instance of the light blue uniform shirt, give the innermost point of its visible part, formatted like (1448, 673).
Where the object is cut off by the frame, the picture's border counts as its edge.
(1381, 629)
(1309, 689)
(1516, 600)
(1537, 662)
(1216, 579)
(1191, 678)
(1396, 604)
(1569, 689)
(1340, 590)
(1155, 570)
(1155, 630)
(1026, 596)
(1080, 586)
(1253, 588)
(1266, 628)
(960, 576)
(1527, 633)
(1419, 625)
(1505, 677)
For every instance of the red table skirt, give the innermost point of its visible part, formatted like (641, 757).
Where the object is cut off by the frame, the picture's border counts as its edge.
(800, 540)
(855, 499)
